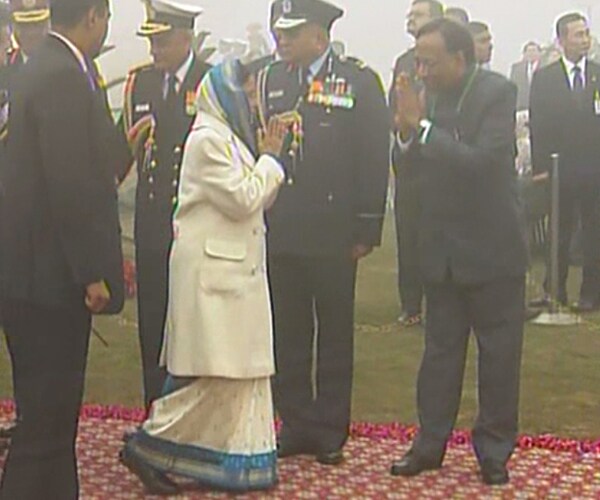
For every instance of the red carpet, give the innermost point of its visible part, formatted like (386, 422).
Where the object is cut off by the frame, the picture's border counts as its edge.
(543, 467)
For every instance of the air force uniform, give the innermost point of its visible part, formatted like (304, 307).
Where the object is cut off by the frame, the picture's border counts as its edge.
(337, 171)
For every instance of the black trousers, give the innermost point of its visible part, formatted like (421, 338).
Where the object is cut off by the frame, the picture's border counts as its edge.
(494, 311)
(580, 198)
(152, 280)
(313, 298)
(407, 211)
(49, 349)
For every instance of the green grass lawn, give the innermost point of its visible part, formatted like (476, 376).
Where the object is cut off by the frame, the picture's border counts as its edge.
(561, 367)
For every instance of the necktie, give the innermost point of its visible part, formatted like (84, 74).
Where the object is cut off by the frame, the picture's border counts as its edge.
(577, 79)
(171, 95)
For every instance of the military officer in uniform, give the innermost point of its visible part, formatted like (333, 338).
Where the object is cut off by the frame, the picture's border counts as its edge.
(327, 217)
(159, 110)
(31, 22)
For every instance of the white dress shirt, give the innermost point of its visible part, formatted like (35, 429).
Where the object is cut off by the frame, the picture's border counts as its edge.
(569, 69)
(180, 75)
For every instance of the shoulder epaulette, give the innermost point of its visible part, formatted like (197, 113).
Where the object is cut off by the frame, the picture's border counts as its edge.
(147, 66)
(359, 63)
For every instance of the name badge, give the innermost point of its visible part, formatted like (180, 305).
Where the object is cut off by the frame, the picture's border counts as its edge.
(276, 94)
(597, 103)
(142, 108)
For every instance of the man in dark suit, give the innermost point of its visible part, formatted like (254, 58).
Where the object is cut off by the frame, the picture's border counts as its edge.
(328, 217)
(565, 119)
(30, 21)
(407, 201)
(60, 242)
(521, 73)
(472, 246)
(160, 105)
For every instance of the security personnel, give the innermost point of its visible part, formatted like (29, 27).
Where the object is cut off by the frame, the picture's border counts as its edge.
(5, 432)
(325, 220)
(31, 22)
(159, 110)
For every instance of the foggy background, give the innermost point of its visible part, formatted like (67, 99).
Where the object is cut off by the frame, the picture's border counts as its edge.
(373, 30)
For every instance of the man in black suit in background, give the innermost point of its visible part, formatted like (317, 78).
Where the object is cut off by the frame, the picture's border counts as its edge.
(60, 243)
(521, 73)
(472, 245)
(407, 202)
(565, 119)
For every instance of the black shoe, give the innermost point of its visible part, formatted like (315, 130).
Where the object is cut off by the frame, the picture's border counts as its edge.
(155, 482)
(335, 457)
(585, 306)
(287, 449)
(494, 473)
(412, 465)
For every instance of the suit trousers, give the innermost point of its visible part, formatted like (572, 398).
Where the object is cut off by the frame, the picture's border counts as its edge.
(313, 302)
(407, 211)
(579, 197)
(495, 312)
(152, 266)
(49, 348)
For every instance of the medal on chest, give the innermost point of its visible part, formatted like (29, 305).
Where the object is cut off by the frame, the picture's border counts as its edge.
(190, 103)
(334, 92)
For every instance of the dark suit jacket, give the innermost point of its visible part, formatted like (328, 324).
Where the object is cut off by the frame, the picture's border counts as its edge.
(519, 76)
(564, 123)
(406, 178)
(471, 221)
(61, 227)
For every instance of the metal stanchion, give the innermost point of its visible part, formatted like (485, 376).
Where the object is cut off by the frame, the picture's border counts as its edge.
(556, 315)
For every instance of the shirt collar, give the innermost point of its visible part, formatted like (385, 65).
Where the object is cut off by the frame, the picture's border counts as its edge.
(317, 65)
(184, 69)
(569, 66)
(73, 48)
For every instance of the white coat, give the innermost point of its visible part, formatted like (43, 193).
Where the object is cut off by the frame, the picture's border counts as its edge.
(219, 320)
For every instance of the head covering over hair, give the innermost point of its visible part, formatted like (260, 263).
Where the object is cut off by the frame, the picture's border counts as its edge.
(29, 11)
(222, 96)
(294, 13)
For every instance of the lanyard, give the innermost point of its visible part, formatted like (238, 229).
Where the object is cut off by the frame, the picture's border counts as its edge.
(463, 96)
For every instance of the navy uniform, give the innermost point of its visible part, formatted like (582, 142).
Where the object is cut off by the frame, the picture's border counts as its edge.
(157, 119)
(334, 199)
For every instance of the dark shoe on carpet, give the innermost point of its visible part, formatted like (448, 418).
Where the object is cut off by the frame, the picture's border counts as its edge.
(410, 320)
(155, 482)
(494, 473)
(335, 457)
(412, 465)
(585, 306)
(287, 449)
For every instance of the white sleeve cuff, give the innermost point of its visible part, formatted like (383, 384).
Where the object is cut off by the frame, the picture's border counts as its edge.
(404, 145)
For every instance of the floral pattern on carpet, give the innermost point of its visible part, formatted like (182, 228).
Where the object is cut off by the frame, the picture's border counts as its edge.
(543, 467)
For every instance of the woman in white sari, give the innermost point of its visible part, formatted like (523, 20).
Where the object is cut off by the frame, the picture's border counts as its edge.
(214, 424)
